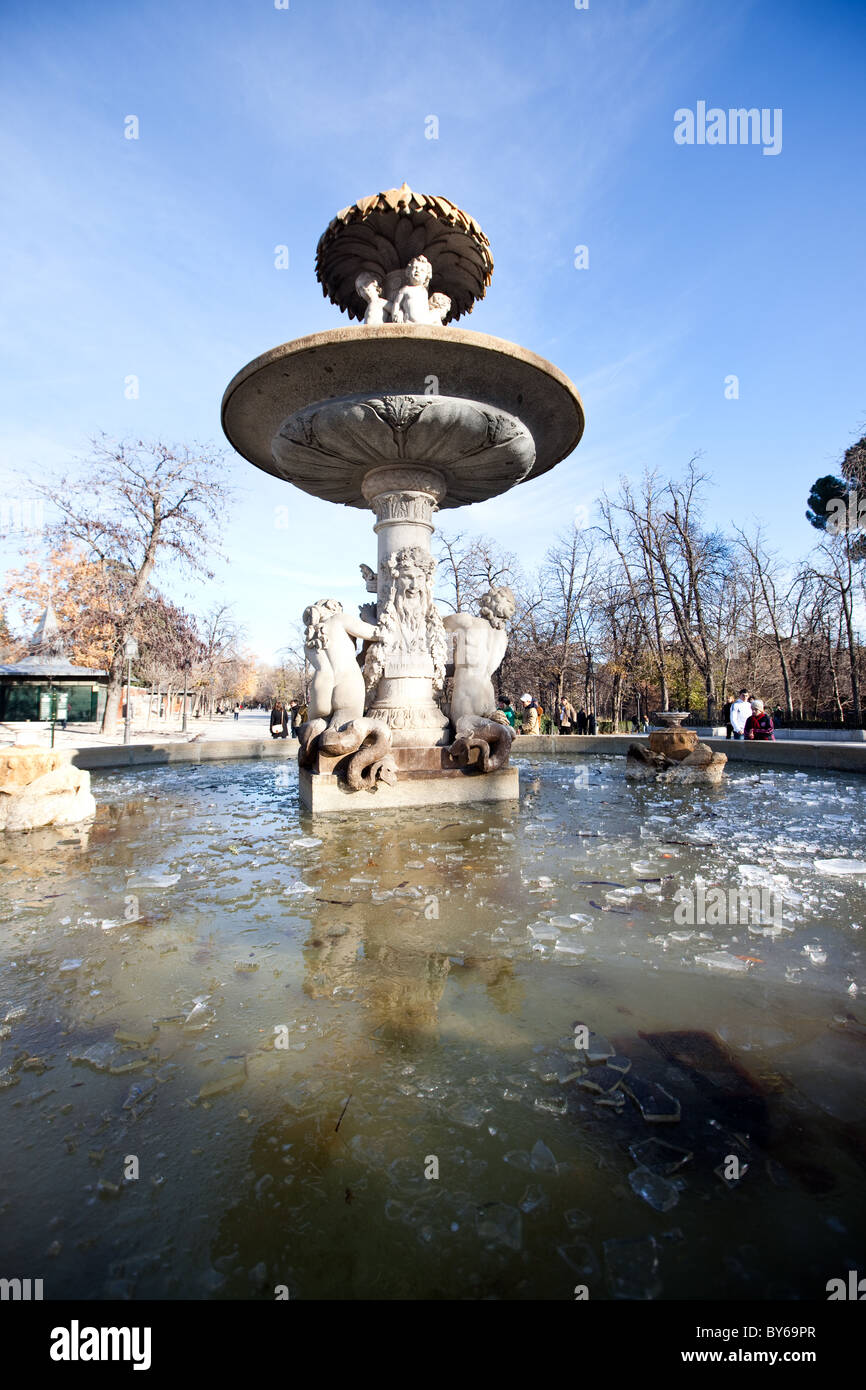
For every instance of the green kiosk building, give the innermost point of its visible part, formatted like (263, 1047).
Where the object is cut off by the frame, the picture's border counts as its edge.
(45, 686)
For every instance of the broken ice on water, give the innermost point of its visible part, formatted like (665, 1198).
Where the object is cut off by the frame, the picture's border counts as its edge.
(500, 1224)
(724, 961)
(632, 1268)
(439, 1035)
(655, 1190)
(541, 1158)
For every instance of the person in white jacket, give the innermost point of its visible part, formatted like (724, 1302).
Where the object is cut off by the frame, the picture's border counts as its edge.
(741, 710)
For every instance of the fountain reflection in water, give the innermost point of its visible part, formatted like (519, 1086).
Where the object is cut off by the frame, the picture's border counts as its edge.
(425, 977)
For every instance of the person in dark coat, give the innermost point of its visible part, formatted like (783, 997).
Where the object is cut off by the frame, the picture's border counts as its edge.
(279, 720)
(759, 724)
(726, 718)
(581, 720)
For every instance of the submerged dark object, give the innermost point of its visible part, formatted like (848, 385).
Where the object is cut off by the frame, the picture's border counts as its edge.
(715, 1074)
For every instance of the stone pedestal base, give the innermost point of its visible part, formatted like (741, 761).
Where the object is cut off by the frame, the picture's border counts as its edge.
(416, 726)
(425, 777)
(700, 767)
(675, 744)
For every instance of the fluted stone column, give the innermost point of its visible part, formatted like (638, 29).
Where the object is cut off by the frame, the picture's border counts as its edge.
(411, 657)
(404, 498)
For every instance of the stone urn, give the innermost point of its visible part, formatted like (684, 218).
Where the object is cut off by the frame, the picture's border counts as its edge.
(672, 740)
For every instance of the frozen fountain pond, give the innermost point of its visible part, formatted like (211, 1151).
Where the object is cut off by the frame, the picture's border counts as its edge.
(283, 1021)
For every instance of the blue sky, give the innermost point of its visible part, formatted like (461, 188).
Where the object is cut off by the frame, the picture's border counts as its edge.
(155, 257)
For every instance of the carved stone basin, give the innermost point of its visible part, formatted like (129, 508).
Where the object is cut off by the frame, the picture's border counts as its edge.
(329, 447)
(322, 410)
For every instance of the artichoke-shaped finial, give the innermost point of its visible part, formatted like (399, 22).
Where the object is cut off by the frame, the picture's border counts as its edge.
(401, 240)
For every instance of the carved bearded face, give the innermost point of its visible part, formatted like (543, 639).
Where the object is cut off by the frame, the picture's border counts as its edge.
(411, 588)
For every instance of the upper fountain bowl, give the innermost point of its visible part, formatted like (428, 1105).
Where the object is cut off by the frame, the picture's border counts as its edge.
(671, 718)
(534, 413)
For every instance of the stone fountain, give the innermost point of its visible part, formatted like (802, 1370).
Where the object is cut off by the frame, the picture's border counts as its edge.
(403, 415)
(674, 754)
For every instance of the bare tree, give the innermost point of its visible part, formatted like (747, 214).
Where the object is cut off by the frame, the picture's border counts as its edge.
(470, 565)
(764, 569)
(567, 578)
(130, 505)
(636, 555)
(834, 567)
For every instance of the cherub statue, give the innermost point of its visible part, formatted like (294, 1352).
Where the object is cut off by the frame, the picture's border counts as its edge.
(440, 304)
(411, 304)
(369, 288)
(394, 282)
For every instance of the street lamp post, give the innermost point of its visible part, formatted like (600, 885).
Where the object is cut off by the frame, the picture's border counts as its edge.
(130, 651)
(186, 666)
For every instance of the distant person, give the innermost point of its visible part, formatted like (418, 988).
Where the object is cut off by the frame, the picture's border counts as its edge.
(507, 708)
(581, 720)
(740, 711)
(726, 718)
(567, 716)
(592, 724)
(293, 717)
(531, 715)
(759, 725)
(279, 720)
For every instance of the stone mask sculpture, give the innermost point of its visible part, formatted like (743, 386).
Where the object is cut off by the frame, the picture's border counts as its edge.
(412, 639)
